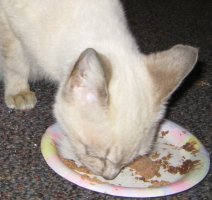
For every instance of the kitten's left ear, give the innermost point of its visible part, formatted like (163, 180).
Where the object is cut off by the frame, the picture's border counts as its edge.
(168, 68)
(87, 81)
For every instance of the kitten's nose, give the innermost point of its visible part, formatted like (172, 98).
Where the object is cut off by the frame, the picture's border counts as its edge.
(110, 174)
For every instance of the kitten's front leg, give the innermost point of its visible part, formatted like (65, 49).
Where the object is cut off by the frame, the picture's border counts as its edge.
(16, 74)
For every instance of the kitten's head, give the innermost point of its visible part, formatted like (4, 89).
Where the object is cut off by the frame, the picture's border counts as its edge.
(111, 118)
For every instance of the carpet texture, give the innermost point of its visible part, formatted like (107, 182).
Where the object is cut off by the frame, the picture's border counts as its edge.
(157, 25)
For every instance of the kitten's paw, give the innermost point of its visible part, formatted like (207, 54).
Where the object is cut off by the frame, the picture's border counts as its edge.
(21, 101)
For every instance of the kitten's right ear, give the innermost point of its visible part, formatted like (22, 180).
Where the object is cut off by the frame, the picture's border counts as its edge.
(168, 68)
(87, 81)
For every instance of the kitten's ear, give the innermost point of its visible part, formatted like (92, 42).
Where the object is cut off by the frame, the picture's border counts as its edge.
(168, 68)
(87, 81)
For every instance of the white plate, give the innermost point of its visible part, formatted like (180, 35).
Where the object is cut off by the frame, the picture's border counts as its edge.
(171, 138)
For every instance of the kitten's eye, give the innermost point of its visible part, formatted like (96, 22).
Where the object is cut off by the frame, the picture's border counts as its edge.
(90, 153)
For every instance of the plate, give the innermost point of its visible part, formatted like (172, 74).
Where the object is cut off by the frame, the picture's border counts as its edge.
(183, 161)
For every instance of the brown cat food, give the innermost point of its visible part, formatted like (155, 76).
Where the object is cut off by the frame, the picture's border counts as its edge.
(156, 183)
(190, 147)
(155, 155)
(93, 180)
(72, 165)
(145, 167)
(164, 133)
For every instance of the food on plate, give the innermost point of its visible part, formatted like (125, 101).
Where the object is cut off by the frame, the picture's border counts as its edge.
(145, 167)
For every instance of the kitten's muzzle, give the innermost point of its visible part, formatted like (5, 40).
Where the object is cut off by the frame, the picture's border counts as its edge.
(110, 171)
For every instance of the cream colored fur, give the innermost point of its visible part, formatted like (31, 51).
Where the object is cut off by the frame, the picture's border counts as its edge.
(111, 97)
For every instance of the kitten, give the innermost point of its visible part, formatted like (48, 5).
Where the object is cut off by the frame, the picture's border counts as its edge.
(111, 97)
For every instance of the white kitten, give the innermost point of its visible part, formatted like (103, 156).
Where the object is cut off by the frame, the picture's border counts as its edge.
(111, 97)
